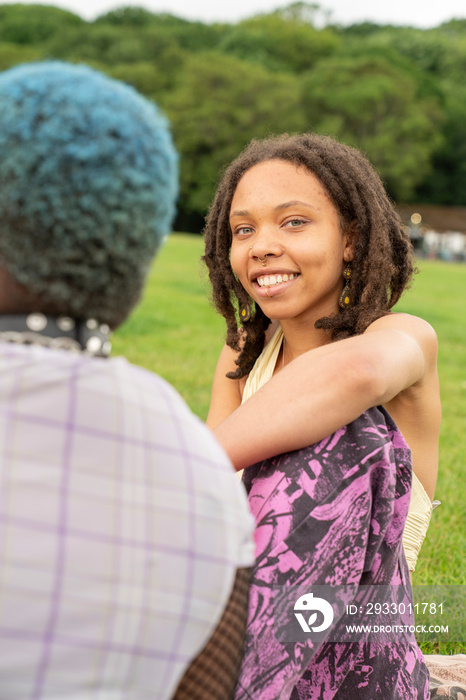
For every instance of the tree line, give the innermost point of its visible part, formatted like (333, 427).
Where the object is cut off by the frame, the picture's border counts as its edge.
(398, 93)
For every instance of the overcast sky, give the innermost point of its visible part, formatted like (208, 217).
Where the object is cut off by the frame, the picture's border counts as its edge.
(419, 13)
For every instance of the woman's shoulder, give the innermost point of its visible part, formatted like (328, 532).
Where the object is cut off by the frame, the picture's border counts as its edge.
(414, 325)
(417, 328)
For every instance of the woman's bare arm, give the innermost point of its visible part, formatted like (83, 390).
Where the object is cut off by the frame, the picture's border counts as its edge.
(226, 393)
(326, 388)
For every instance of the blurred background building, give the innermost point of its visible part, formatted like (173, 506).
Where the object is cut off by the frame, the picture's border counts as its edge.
(436, 231)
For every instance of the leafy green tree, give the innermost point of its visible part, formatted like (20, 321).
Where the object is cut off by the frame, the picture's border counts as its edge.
(12, 54)
(440, 51)
(114, 45)
(425, 49)
(150, 78)
(217, 105)
(279, 43)
(88, 43)
(195, 36)
(360, 30)
(307, 12)
(446, 183)
(34, 24)
(453, 65)
(188, 35)
(128, 17)
(377, 106)
(395, 92)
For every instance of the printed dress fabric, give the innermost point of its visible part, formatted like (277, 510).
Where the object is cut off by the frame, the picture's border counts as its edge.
(331, 514)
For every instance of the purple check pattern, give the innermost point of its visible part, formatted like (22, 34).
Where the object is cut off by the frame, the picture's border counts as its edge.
(121, 527)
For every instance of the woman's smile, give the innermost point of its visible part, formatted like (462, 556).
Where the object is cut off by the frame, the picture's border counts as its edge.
(271, 284)
(272, 280)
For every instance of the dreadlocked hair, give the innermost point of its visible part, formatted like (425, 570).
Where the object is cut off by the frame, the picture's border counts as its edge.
(382, 265)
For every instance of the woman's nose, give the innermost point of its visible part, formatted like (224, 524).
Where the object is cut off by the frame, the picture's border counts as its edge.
(265, 244)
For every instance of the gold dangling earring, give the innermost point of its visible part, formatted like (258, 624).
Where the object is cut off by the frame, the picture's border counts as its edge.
(345, 299)
(245, 312)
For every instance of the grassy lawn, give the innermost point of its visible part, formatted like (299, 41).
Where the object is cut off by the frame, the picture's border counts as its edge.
(438, 296)
(177, 334)
(174, 331)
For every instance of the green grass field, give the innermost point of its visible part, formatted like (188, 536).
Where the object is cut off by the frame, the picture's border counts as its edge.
(176, 333)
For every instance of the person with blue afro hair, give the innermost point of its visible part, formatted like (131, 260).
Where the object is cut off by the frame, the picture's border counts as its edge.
(88, 182)
(126, 538)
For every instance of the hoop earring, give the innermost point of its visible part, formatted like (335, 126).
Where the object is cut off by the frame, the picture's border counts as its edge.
(245, 312)
(345, 300)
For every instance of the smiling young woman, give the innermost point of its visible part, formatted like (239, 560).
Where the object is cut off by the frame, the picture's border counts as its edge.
(280, 213)
(303, 239)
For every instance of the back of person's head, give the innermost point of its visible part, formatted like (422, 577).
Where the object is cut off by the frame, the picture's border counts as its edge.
(88, 183)
(382, 265)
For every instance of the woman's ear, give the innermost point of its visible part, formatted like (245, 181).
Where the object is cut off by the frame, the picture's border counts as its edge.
(349, 238)
(348, 253)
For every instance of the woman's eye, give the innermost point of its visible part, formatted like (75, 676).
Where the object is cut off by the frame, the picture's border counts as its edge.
(294, 223)
(244, 230)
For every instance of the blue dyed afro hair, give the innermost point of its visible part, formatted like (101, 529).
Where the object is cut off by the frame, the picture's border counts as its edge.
(88, 183)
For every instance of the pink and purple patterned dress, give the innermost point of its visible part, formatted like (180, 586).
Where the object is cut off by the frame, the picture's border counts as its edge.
(331, 514)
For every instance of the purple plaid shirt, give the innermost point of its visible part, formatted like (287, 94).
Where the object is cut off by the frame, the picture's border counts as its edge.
(122, 526)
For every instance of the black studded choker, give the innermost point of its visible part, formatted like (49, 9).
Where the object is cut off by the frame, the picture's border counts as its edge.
(60, 332)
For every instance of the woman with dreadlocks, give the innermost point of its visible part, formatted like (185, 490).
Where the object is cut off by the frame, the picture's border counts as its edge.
(318, 393)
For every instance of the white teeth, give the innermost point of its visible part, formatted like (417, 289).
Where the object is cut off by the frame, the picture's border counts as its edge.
(270, 280)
